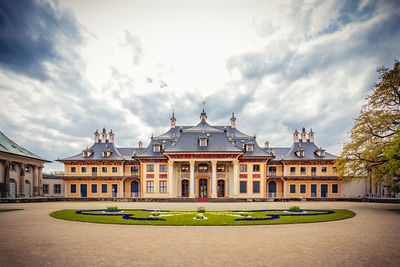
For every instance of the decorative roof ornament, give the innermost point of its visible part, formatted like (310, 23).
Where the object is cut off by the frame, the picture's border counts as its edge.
(203, 114)
(233, 120)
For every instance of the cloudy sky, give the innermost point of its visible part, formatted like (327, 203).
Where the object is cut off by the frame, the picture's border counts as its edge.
(69, 67)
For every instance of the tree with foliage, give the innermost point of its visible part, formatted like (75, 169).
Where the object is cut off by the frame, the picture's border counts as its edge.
(371, 149)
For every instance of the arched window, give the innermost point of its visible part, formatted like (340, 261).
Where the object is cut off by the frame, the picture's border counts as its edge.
(272, 170)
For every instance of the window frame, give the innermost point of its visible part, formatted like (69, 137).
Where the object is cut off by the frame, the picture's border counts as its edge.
(150, 187)
(303, 170)
(258, 187)
(163, 167)
(75, 191)
(185, 168)
(134, 167)
(150, 168)
(94, 168)
(104, 168)
(294, 168)
(245, 187)
(243, 168)
(305, 188)
(255, 166)
(202, 167)
(57, 188)
(324, 169)
(114, 168)
(337, 188)
(292, 186)
(221, 168)
(163, 186)
(47, 188)
(83, 169)
(91, 189)
(72, 169)
(104, 186)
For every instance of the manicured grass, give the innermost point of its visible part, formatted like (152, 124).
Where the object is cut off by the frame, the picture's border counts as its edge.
(3, 210)
(248, 217)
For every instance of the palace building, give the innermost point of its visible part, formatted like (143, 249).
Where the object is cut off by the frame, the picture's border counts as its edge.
(202, 161)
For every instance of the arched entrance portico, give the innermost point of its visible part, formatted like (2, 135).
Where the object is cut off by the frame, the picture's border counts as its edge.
(134, 188)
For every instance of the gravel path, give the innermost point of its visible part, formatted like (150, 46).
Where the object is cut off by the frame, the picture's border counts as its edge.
(30, 237)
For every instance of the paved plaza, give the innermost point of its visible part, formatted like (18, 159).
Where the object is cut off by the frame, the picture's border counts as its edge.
(31, 237)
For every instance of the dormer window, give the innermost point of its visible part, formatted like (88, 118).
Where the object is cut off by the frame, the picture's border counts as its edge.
(156, 148)
(203, 141)
(320, 153)
(250, 147)
(300, 153)
(87, 153)
(106, 154)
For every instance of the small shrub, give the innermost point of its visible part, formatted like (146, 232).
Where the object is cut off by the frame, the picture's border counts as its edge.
(201, 210)
(244, 214)
(112, 208)
(200, 216)
(294, 208)
(155, 213)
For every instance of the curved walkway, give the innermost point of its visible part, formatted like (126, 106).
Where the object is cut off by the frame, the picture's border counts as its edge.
(32, 237)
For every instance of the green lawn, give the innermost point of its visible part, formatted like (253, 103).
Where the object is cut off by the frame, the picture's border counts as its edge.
(254, 217)
(2, 210)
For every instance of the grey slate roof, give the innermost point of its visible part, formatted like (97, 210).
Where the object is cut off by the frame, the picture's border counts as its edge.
(217, 142)
(203, 126)
(97, 150)
(257, 152)
(308, 148)
(9, 146)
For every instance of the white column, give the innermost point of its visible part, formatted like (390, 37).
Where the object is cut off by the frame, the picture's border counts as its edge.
(284, 188)
(214, 179)
(170, 177)
(35, 181)
(235, 177)
(191, 194)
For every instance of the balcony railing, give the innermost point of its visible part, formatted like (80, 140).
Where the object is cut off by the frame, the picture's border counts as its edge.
(272, 173)
(274, 195)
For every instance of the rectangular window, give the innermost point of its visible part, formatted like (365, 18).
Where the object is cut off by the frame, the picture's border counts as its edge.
(57, 189)
(45, 189)
(94, 170)
(185, 168)
(324, 169)
(243, 187)
(243, 168)
(72, 189)
(150, 187)
(104, 169)
(114, 169)
(220, 168)
(292, 189)
(256, 168)
(83, 169)
(163, 168)
(134, 169)
(313, 170)
(303, 170)
(104, 188)
(73, 169)
(334, 170)
(302, 189)
(94, 188)
(203, 168)
(163, 186)
(150, 167)
(335, 188)
(256, 186)
(292, 170)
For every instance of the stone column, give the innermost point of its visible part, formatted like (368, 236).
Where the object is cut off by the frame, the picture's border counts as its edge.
(171, 178)
(35, 181)
(284, 188)
(22, 180)
(214, 179)
(191, 193)
(235, 177)
(41, 181)
(7, 178)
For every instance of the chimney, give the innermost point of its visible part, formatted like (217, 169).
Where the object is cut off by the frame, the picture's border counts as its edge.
(295, 136)
(103, 136)
(303, 135)
(140, 144)
(173, 120)
(266, 144)
(96, 136)
(311, 136)
(233, 120)
(111, 136)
